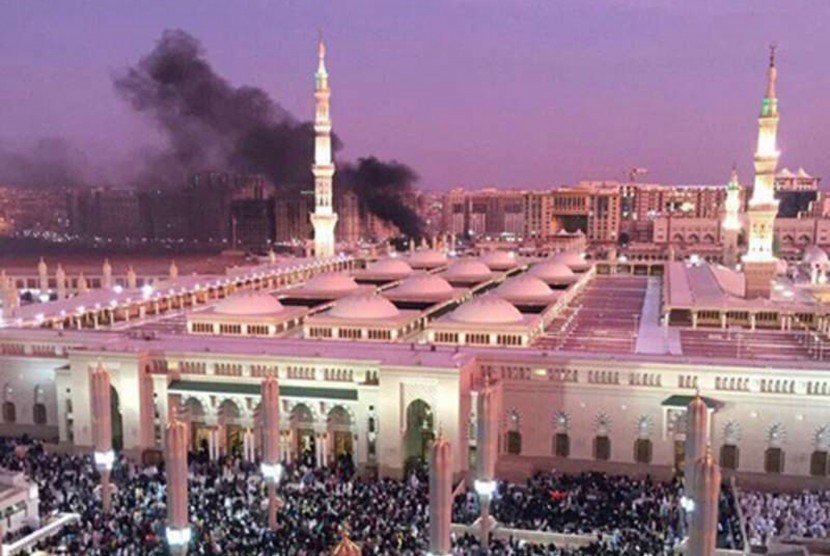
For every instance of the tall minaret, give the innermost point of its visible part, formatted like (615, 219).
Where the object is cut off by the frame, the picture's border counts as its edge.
(759, 261)
(731, 226)
(323, 219)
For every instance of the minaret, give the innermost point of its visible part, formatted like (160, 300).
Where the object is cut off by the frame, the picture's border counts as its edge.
(731, 221)
(759, 261)
(323, 219)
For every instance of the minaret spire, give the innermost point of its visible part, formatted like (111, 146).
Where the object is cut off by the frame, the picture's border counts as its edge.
(759, 260)
(323, 219)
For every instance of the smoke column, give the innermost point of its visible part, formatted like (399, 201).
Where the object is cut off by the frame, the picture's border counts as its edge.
(211, 125)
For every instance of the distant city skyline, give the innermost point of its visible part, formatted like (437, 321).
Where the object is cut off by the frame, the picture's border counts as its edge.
(525, 95)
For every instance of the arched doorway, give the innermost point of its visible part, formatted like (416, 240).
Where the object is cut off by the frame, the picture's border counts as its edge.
(302, 429)
(419, 433)
(117, 421)
(229, 420)
(194, 414)
(339, 425)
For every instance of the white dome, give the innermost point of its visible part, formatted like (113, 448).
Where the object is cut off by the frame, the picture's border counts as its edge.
(393, 266)
(573, 259)
(487, 309)
(425, 284)
(249, 304)
(524, 286)
(552, 271)
(331, 282)
(427, 258)
(469, 269)
(498, 260)
(364, 306)
(814, 255)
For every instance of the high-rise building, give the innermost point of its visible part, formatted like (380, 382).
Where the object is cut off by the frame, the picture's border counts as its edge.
(323, 219)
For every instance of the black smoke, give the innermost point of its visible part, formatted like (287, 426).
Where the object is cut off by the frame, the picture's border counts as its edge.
(209, 124)
(386, 189)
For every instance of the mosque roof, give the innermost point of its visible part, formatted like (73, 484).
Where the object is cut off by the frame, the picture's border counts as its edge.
(249, 304)
(573, 259)
(427, 258)
(331, 282)
(524, 287)
(424, 284)
(553, 271)
(468, 269)
(487, 309)
(499, 260)
(390, 266)
(364, 306)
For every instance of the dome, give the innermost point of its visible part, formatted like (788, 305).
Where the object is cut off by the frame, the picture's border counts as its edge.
(427, 258)
(364, 306)
(393, 266)
(814, 255)
(469, 269)
(498, 260)
(524, 286)
(425, 284)
(331, 282)
(574, 260)
(552, 271)
(487, 309)
(249, 304)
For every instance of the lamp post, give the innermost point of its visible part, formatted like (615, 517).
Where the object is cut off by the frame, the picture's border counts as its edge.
(178, 522)
(271, 467)
(102, 431)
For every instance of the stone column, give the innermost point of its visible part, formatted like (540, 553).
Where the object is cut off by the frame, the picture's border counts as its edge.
(697, 436)
(132, 279)
(486, 453)
(102, 430)
(440, 498)
(271, 469)
(43, 276)
(703, 530)
(178, 526)
(106, 278)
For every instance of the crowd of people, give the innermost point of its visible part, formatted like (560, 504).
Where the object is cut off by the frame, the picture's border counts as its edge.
(642, 513)
(228, 510)
(804, 515)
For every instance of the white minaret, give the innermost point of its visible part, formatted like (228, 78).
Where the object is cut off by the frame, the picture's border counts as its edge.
(759, 261)
(323, 219)
(731, 226)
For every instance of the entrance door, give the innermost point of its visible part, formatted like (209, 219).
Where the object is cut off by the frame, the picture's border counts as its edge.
(199, 434)
(342, 443)
(306, 444)
(233, 439)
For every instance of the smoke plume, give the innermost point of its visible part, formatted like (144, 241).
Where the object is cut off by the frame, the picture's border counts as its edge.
(49, 162)
(386, 189)
(211, 125)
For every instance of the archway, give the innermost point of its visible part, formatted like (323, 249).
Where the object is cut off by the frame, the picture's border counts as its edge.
(194, 414)
(419, 433)
(302, 429)
(339, 427)
(230, 420)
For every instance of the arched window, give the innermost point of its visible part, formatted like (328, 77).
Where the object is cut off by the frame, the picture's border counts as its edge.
(819, 461)
(642, 450)
(9, 409)
(39, 407)
(730, 456)
(561, 440)
(602, 447)
(774, 454)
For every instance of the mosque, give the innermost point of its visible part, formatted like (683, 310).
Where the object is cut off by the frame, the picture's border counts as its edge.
(592, 363)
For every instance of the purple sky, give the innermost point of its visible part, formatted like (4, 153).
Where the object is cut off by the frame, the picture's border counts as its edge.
(512, 93)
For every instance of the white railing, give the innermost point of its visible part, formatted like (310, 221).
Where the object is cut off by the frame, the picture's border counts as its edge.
(51, 529)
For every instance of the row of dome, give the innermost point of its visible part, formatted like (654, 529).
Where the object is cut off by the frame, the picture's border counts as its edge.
(463, 268)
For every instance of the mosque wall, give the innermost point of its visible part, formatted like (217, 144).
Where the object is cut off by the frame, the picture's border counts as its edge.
(28, 395)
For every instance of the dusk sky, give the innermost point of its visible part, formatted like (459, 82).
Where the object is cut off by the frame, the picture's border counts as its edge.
(510, 93)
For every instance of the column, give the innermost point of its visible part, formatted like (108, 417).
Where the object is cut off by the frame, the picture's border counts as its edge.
(486, 452)
(178, 526)
(440, 498)
(102, 431)
(271, 468)
(703, 530)
(697, 431)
